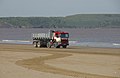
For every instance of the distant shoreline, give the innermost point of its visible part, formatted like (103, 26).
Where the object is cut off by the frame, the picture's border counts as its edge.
(71, 44)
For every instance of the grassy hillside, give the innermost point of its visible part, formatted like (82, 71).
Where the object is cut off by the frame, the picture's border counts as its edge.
(73, 21)
(93, 20)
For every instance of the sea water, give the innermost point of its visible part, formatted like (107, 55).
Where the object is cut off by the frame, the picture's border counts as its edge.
(109, 38)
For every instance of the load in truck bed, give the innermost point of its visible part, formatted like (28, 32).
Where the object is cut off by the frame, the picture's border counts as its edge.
(40, 39)
(40, 35)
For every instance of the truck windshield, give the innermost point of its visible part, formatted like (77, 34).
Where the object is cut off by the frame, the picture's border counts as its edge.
(64, 35)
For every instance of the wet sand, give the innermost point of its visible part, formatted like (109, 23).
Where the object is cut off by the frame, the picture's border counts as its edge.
(25, 61)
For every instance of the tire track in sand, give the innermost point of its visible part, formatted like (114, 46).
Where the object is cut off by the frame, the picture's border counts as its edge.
(39, 65)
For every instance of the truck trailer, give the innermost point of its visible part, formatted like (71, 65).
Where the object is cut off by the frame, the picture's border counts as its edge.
(53, 38)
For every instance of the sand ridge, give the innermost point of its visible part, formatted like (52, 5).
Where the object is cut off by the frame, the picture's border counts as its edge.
(47, 62)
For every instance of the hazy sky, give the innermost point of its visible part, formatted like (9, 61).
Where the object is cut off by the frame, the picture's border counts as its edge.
(57, 7)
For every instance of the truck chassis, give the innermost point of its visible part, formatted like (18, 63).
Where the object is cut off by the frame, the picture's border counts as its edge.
(48, 40)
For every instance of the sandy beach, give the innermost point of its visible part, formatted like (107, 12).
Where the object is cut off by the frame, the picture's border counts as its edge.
(25, 61)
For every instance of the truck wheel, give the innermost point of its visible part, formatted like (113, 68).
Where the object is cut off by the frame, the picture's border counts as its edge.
(35, 44)
(48, 45)
(39, 44)
(56, 45)
(64, 46)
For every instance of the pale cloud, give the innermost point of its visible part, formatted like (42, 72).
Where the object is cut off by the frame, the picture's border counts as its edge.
(57, 7)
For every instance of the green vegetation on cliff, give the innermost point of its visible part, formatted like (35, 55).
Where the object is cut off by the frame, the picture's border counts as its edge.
(73, 21)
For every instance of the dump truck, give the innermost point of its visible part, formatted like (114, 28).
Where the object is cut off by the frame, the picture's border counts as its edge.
(53, 38)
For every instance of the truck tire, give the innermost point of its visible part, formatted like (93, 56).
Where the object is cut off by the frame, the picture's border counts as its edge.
(48, 45)
(35, 44)
(56, 45)
(39, 44)
(64, 46)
